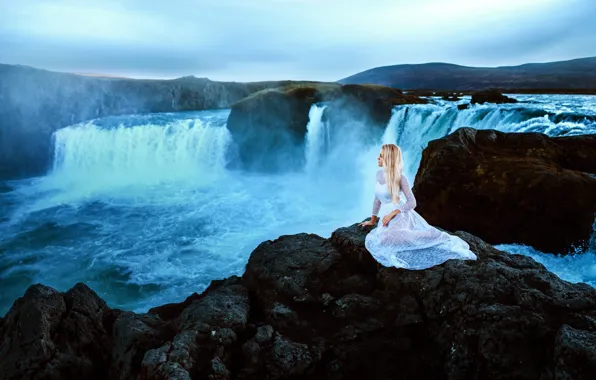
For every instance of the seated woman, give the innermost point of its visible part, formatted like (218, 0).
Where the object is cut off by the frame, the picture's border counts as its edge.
(404, 239)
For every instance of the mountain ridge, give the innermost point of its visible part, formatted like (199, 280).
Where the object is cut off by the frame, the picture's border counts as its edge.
(572, 74)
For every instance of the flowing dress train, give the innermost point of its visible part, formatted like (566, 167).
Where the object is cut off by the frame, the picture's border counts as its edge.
(408, 241)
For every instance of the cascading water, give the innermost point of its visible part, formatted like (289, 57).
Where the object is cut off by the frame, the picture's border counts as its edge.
(142, 209)
(141, 154)
(413, 126)
(317, 137)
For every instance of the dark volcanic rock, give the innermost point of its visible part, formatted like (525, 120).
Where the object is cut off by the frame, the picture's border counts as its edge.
(315, 308)
(451, 97)
(133, 335)
(575, 354)
(200, 342)
(333, 315)
(52, 335)
(511, 187)
(490, 96)
(269, 127)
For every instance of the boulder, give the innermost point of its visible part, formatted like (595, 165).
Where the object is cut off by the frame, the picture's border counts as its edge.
(524, 188)
(314, 308)
(451, 97)
(268, 128)
(490, 96)
(52, 335)
(332, 312)
(198, 341)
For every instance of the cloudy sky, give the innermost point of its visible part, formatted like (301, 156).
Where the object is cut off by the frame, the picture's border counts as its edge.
(248, 40)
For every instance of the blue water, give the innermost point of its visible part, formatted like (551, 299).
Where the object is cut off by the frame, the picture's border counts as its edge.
(143, 209)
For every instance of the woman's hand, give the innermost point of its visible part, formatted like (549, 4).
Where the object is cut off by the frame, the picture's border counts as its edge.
(387, 218)
(371, 222)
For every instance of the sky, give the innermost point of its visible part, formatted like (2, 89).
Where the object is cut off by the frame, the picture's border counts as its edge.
(251, 40)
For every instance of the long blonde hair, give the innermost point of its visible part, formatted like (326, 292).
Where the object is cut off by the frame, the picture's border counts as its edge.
(393, 166)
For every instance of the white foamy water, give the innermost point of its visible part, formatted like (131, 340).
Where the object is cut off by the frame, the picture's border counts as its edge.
(317, 138)
(141, 153)
(143, 209)
(580, 267)
(413, 126)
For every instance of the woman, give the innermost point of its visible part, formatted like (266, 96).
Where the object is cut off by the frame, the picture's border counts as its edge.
(404, 239)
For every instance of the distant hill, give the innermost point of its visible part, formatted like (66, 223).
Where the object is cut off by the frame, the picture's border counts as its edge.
(575, 74)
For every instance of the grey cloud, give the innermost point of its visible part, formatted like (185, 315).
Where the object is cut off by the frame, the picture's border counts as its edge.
(318, 40)
(564, 32)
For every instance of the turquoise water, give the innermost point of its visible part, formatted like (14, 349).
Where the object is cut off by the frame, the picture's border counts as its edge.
(144, 210)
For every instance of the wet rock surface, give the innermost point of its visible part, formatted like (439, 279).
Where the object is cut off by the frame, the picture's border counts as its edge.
(524, 188)
(491, 96)
(309, 307)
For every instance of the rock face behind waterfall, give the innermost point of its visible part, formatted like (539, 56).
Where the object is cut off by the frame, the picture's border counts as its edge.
(511, 187)
(271, 124)
(314, 308)
(34, 103)
(269, 127)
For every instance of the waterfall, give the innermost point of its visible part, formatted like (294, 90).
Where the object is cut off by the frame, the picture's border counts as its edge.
(413, 126)
(172, 149)
(317, 137)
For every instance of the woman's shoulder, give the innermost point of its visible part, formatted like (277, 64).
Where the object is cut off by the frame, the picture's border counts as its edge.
(380, 176)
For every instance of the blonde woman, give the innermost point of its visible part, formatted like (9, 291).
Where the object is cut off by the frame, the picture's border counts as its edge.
(404, 239)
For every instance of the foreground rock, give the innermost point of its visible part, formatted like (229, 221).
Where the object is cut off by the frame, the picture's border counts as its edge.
(269, 127)
(51, 335)
(309, 307)
(510, 187)
(491, 96)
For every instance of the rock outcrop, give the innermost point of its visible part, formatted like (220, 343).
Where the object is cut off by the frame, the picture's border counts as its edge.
(524, 188)
(269, 127)
(451, 97)
(34, 103)
(309, 307)
(490, 96)
(52, 335)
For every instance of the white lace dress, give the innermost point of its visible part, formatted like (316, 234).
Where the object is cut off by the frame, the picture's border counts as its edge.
(409, 241)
